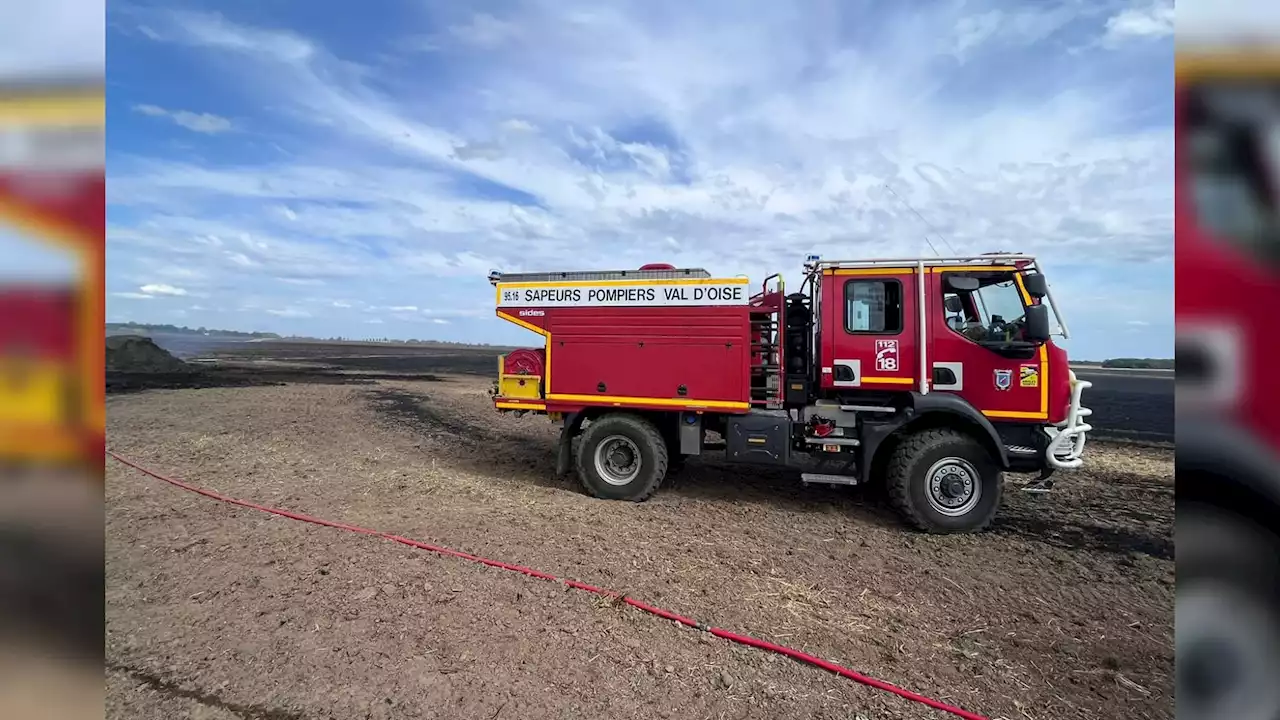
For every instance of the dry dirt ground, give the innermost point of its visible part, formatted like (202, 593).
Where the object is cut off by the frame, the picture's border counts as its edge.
(1063, 610)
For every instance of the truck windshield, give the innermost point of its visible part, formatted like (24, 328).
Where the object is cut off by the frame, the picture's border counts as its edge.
(989, 313)
(1000, 302)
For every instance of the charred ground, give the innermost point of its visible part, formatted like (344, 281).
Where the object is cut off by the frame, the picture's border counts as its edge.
(1130, 405)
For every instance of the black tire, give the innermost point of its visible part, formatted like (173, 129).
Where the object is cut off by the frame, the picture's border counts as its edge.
(1228, 634)
(908, 483)
(642, 437)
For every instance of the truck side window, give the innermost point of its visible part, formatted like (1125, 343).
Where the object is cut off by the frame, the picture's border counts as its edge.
(873, 307)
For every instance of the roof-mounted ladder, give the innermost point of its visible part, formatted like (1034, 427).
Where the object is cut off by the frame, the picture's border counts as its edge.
(496, 277)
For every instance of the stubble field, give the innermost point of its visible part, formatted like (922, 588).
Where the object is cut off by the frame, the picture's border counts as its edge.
(1063, 610)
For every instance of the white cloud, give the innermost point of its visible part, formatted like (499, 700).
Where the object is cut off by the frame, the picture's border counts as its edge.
(515, 125)
(162, 289)
(150, 292)
(289, 312)
(211, 30)
(196, 122)
(1151, 19)
(739, 138)
(484, 31)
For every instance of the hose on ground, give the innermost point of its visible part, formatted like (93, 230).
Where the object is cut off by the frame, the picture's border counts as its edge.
(666, 614)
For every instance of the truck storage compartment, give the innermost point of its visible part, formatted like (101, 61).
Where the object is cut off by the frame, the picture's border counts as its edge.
(760, 436)
(681, 353)
(649, 369)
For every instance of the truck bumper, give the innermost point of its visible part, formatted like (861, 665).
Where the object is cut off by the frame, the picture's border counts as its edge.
(1065, 448)
(519, 405)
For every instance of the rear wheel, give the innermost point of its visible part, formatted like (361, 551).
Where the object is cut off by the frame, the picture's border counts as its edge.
(944, 481)
(622, 457)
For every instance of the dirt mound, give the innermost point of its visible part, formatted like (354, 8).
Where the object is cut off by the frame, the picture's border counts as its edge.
(137, 354)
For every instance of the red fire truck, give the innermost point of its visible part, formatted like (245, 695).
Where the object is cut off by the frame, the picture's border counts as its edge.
(933, 376)
(1228, 439)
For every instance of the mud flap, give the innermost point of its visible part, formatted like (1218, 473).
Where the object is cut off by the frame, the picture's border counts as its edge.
(564, 454)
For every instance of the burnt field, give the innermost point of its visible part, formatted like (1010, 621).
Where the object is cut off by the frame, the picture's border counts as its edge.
(387, 358)
(1135, 405)
(1063, 610)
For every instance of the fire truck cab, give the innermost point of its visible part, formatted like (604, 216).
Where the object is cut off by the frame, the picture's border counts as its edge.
(933, 376)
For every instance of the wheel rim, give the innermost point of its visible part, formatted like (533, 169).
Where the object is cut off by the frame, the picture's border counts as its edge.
(954, 488)
(617, 460)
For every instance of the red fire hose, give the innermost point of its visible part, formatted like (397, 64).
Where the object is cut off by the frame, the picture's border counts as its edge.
(667, 614)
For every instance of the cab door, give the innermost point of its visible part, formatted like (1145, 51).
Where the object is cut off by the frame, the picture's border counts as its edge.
(1003, 386)
(870, 334)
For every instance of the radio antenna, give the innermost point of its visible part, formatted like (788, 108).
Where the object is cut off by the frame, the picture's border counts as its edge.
(927, 224)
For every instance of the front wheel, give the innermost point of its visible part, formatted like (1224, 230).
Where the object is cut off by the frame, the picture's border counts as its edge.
(944, 481)
(622, 457)
(1228, 631)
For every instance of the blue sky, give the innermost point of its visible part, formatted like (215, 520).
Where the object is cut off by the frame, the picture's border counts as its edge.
(330, 168)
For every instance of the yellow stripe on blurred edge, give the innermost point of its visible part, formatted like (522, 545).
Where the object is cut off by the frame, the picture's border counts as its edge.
(69, 107)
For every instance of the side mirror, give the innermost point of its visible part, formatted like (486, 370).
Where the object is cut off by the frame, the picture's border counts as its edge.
(1036, 285)
(961, 283)
(952, 303)
(1037, 323)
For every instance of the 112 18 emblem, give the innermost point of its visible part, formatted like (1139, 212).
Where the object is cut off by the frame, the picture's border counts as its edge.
(887, 355)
